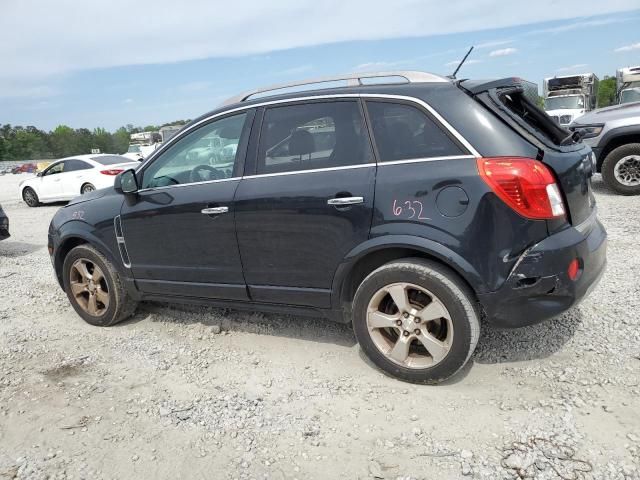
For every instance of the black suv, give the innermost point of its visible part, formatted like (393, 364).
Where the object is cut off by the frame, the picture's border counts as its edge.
(406, 203)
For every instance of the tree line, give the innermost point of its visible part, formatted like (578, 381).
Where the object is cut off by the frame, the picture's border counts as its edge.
(31, 143)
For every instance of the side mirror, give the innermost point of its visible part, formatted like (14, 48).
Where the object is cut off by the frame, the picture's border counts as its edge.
(126, 182)
(39, 174)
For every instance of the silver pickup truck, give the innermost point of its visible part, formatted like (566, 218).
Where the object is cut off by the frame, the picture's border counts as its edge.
(613, 133)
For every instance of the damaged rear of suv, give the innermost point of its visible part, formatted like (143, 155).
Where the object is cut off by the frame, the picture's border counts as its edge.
(410, 208)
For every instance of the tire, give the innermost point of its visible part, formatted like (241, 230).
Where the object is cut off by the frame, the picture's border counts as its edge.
(86, 188)
(115, 307)
(457, 329)
(622, 156)
(30, 197)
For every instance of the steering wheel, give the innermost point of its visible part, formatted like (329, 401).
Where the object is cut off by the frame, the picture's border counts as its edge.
(198, 174)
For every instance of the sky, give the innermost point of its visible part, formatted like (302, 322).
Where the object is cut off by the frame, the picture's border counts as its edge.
(111, 63)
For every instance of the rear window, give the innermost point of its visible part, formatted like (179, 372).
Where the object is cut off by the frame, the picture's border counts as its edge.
(110, 159)
(404, 132)
(531, 117)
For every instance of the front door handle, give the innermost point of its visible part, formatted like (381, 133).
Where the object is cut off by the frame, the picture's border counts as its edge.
(214, 210)
(343, 201)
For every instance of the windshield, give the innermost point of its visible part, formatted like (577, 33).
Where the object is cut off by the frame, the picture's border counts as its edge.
(559, 103)
(134, 149)
(630, 95)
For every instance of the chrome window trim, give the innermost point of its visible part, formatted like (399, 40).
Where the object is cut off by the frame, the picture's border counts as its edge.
(311, 170)
(415, 100)
(148, 189)
(426, 159)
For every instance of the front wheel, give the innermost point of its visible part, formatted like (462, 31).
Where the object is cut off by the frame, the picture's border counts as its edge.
(94, 287)
(621, 169)
(30, 197)
(416, 320)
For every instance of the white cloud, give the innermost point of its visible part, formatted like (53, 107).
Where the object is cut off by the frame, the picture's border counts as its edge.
(573, 68)
(628, 48)
(163, 31)
(128, 100)
(455, 63)
(491, 44)
(503, 52)
(597, 22)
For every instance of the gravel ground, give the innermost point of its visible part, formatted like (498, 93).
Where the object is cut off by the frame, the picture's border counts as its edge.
(206, 393)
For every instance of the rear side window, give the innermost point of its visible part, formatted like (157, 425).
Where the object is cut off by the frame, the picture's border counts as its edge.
(111, 159)
(314, 135)
(75, 165)
(404, 132)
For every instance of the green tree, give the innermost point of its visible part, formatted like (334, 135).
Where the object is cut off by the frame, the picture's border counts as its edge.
(607, 92)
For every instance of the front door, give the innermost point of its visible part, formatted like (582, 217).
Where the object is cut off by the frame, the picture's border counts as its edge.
(179, 229)
(51, 181)
(308, 202)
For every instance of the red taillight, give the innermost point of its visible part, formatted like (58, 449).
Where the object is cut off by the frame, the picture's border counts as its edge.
(526, 185)
(574, 269)
(113, 171)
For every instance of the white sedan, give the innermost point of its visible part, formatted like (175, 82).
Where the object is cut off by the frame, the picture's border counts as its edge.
(69, 177)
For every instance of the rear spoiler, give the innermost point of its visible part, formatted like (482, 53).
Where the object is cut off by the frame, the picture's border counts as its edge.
(478, 86)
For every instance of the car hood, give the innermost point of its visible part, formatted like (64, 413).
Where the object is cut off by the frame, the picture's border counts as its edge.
(606, 114)
(87, 197)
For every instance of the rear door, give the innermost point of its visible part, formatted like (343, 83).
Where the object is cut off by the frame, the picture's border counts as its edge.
(76, 173)
(306, 202)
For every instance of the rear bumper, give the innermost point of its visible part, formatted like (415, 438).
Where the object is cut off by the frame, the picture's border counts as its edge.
(539, 286)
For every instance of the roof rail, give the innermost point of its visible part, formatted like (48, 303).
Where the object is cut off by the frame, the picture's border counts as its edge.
(352, 79)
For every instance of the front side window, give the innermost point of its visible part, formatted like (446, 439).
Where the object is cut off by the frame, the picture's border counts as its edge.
(208, 153)
(314, 135)
(54, 169)
(404, 132)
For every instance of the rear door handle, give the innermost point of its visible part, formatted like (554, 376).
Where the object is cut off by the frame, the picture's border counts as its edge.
(342, 201)
(214, 210)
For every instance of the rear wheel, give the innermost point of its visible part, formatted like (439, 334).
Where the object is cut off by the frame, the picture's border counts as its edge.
(416, 320)
(86, 188)
(30, 197)
(94, 287)
(621, 169)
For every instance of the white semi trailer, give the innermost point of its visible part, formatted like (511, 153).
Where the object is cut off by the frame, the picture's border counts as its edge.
(628, 84)
(567, 98)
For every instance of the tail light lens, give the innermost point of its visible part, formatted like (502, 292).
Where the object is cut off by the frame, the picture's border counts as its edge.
(112, 171)
(574, 269)
(526, 185)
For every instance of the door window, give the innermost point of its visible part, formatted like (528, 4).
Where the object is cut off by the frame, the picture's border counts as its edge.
(54, 169)
(75, 165)
(313, 135)
(404, 132)
(208, 153)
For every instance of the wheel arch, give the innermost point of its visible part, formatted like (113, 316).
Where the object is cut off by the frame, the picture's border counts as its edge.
(616, 138)
(376, 252)
(73, 239)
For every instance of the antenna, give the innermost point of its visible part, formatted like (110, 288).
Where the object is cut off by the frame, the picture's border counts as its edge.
(453, 75)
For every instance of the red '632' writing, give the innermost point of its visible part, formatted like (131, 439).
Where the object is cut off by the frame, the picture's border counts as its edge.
(409, 209)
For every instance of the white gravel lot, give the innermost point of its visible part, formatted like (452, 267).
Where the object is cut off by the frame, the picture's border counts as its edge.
(191, 392)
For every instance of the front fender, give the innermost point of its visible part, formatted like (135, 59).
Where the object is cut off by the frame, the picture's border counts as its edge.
(418, 244)
(75, 231)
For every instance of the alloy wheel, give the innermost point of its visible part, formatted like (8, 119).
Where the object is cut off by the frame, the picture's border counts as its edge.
(89, 287)
(627, 170)
(30, 197)
(410, 325)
